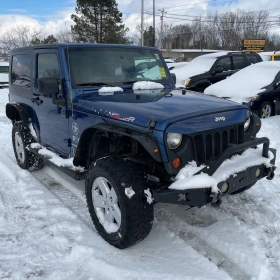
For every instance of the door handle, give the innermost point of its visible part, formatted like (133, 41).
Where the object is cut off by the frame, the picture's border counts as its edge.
(37, 100)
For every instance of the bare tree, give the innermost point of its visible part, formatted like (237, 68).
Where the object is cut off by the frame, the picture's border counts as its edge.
(65, 36)
(20, 36)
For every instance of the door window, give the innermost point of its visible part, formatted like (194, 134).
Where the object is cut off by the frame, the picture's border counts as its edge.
(225, 63)
(48, 66)
(238, 62)
(252, 59)
(21, 70)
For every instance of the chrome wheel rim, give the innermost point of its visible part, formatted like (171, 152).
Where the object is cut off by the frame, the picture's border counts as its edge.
(266, 111)
(106, 205)
(19, 147)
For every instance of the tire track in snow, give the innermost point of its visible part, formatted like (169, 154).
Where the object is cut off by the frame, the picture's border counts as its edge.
(257, 214)
(59, 186)
(165, 216)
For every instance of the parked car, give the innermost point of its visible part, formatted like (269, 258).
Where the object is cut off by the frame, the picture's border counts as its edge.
(4, 74)
(209, 69)
(257, 86)
(100, 113)
(270, 56)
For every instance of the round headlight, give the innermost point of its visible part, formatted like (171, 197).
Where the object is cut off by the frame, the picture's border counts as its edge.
(247, 124)
(174, 140)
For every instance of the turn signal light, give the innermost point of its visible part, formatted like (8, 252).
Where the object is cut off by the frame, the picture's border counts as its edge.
(176, 162)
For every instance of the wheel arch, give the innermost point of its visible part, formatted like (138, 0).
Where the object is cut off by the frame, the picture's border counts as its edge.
(17, 112)
(91, 134)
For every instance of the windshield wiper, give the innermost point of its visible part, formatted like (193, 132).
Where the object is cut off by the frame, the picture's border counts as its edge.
(95, 84)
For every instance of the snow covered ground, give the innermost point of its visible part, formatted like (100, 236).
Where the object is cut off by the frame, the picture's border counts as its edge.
(46, 231)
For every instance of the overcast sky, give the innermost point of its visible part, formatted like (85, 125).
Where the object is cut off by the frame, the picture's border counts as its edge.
(54, 15)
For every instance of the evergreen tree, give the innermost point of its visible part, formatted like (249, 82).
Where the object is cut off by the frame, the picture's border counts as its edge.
(48, 40)
(149, 39)
(98, 21)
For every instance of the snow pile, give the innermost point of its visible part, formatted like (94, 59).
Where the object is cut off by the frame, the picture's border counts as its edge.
(129, 192)
(247, 82)
(109, 90)
(149, 196)
(186, 179)
(142, 85)
(55, 159)
(198, 65)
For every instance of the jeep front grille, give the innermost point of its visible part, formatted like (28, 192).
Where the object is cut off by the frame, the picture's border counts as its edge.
(208, 146)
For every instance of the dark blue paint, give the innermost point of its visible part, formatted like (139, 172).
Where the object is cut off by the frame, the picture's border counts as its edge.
(172, 111)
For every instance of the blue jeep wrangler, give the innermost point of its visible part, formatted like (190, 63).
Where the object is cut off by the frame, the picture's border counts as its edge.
(113, 112)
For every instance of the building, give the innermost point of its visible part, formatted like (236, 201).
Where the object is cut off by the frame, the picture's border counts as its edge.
(185, 54)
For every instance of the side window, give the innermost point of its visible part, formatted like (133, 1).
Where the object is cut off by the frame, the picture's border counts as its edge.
(238, 62)
(225, 63)
(21, 70)
(252, 59)
(48, 66)
(4, 69)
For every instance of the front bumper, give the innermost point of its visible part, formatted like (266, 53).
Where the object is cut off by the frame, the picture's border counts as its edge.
(238, 181)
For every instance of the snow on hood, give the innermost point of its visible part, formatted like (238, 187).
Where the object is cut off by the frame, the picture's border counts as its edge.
(198, 65)
(247, 82)
(104, 90)
(142, 85)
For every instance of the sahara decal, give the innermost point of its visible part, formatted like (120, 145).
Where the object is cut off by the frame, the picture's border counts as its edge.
(124, 118)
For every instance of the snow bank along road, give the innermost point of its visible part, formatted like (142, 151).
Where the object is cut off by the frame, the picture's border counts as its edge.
(46, 232)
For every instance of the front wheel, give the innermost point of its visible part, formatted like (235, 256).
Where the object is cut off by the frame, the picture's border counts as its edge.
(117, 203)
(265, 110)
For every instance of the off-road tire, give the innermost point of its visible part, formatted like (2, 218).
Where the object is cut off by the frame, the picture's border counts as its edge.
(136, 213)
(30, 160)
(266, 103)
(243, 190)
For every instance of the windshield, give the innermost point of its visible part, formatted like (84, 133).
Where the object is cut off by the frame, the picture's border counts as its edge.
(115, 66)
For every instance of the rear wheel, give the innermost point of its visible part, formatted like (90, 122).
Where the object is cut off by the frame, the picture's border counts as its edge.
(117, 203)
(22, 138)
(265, 110)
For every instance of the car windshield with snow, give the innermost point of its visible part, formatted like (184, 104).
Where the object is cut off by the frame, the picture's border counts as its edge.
(111, 115)
(208, 69)
(257, 86)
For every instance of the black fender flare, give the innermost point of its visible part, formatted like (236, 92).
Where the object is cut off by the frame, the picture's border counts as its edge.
(81, 157)
(16, 112)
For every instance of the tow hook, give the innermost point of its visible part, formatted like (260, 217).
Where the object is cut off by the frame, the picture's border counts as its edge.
(217, 199)
(270, 174)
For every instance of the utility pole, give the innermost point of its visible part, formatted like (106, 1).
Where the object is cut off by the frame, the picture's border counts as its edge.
(161, 28)
(142, 23)
(154, 23)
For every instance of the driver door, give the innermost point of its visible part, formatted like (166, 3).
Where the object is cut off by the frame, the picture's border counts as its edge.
(52, 118)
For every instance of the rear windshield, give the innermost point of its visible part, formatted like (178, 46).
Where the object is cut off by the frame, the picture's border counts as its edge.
(115, 66)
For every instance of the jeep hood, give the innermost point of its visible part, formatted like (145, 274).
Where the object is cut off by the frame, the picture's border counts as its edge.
(167, 108)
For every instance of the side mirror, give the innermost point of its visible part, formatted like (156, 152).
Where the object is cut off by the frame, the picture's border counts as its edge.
(173, 77)
(49, 86)
(217, 70)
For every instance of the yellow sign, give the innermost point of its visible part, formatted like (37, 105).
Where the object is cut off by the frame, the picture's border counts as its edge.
(253, 45)
(162, 72)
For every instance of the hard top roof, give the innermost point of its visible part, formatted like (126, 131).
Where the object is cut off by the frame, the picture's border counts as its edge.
(80, 45)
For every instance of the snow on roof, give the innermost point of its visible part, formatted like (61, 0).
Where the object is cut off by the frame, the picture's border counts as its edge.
(247, 82)
(198, 65)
